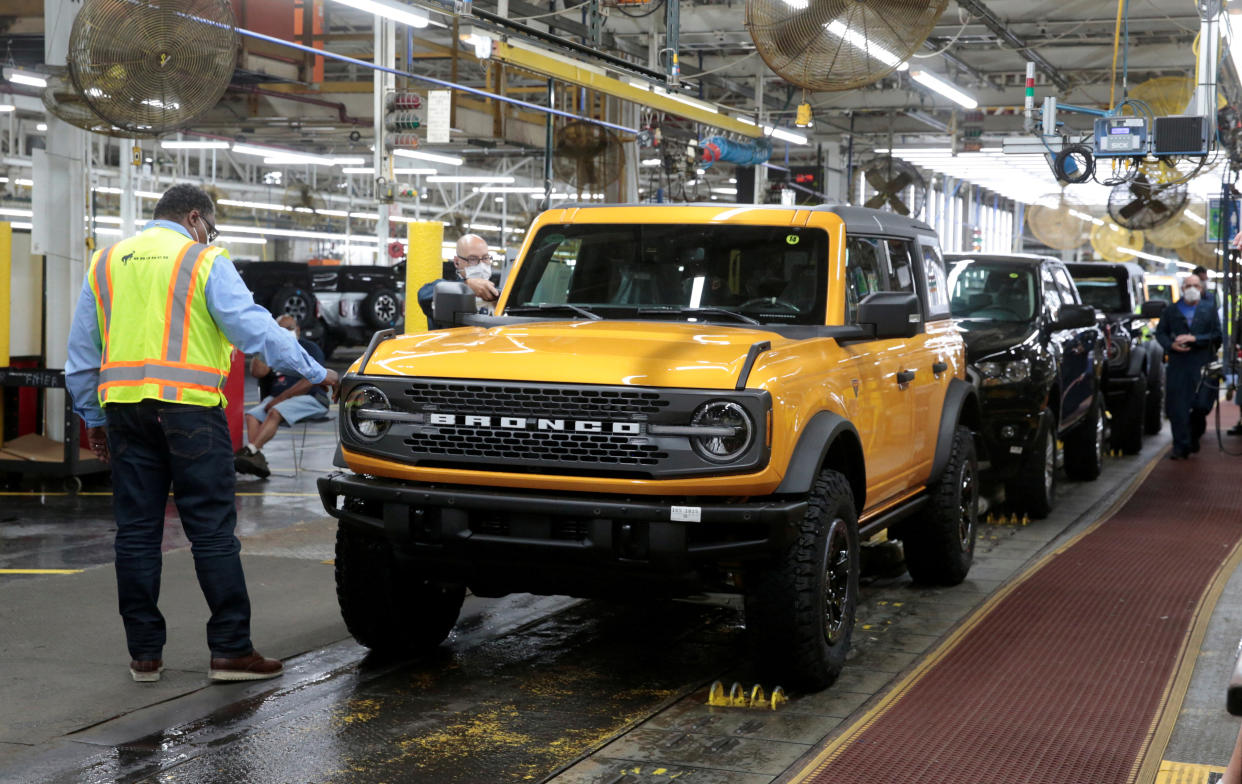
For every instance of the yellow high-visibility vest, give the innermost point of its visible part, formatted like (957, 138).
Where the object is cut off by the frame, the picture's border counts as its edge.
(159, 340)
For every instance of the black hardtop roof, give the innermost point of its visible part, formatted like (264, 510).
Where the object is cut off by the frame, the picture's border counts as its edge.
(1013, 258)
(1088, 267)
(863, 220)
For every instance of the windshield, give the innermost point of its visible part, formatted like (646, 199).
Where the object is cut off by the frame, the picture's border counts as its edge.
(1105, 292)
(768, 274)
(993, 291)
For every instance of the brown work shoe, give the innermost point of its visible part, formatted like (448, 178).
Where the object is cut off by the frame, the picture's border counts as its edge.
(252, 667)
(146, 671)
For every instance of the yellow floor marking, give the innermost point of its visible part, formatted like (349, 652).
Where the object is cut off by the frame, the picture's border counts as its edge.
(41, 571)
(1186, 773)
(329, 562)
(837, 745)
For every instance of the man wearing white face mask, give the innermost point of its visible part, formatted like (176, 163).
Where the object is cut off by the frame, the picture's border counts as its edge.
(473, 263)
(1189, 332)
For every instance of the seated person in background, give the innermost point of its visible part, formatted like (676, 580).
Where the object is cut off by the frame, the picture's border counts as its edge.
(285, 398)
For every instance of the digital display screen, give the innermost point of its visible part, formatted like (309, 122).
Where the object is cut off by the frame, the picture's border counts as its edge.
(1116, 131)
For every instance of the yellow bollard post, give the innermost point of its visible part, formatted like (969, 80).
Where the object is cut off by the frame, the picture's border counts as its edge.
(423, 264)
(6, 293)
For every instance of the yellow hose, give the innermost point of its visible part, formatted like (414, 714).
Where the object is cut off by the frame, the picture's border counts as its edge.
(1112, 83)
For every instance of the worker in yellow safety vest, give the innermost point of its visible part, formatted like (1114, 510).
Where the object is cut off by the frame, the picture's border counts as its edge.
(149, 351)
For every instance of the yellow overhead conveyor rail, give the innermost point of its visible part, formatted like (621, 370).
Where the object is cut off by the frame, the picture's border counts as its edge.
(566, 70)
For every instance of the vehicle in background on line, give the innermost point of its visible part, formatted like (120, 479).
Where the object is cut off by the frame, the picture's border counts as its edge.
(357, 301)
(1163, 287)
(1036, 354)
(284, 288)
(672, 399)
(1134, 373)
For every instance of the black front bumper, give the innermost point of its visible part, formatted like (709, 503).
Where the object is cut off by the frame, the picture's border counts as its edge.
(1008, 434)
(520, 538)
(1118, 391)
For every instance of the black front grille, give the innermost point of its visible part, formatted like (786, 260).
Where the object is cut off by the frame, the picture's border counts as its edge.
(531, 400)
(552, 447)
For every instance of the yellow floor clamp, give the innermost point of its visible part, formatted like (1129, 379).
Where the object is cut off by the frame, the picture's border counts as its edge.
(737, 697)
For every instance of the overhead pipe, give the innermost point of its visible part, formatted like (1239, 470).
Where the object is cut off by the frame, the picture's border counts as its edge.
(432, 80)
(341, 114)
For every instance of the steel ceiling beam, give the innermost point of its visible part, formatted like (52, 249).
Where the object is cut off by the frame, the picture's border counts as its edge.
(997, 26)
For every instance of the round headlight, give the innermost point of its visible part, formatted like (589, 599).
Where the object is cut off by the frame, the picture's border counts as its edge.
(733, 431)
(360, 406)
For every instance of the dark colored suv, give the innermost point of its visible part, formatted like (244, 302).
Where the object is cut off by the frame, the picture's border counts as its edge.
(357, 301)
(1134, 376)
(284, 288)
(1036, 354)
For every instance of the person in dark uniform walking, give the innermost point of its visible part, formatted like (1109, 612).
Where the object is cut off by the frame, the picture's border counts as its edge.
(1190, 332)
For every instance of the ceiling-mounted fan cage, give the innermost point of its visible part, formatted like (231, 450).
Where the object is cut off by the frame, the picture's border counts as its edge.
(150, 67)
(1056, 222)
(1114, 243)
(835, 45)
(588, 156)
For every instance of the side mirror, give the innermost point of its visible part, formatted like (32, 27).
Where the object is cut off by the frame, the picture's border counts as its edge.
(1153, 308)
(1075, 317)
(892, 314)
(452, 300)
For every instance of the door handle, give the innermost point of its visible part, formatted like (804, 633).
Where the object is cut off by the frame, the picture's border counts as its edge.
(905, 377)
(940, 367)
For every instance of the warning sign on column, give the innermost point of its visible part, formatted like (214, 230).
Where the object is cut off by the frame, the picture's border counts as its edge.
(439, 109)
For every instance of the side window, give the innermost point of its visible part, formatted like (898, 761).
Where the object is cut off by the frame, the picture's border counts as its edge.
(1069, 294)
(937, 281)
(901, 265)
(864, 273)
(1052, 297)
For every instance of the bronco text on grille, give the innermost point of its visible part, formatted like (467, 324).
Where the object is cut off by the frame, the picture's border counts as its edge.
(584, 430)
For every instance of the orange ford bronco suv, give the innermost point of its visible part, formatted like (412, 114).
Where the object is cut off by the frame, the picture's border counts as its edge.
(671, 399)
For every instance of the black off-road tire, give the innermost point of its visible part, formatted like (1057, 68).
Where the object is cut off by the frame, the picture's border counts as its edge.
(381, 309)
(800, 605)
(1034, 489)
(388, 607)
(294, 301)
(1153, 416)
(1085, 446)
(940, 547)
(1128, 424)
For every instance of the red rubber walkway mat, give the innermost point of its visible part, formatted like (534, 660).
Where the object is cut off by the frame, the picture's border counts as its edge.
(1065, 675)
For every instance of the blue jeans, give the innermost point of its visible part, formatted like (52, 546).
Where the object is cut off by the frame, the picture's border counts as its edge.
(155, 444)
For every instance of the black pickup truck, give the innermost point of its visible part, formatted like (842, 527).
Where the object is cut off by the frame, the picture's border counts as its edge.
(1134, 376)
(1036, 354)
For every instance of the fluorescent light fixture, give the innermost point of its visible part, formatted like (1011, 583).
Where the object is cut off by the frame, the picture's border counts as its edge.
(397, 12)
(1142, 254)
(253, 205)
(725, 191)
(16, 213)
(784, 135)
(451, 160)
(7, 107)
(358, 170)
(276, 157)
(868, 47)
(41, 127)
(29, 78)
(1195, 218)
(509, 189)
(1085, 216)
(936, 84)
(194, 144)
(479, 42)
(489, 178)
(651, 162)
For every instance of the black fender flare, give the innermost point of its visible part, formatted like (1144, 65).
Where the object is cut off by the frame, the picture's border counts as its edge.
(961, 406)
(825, 433)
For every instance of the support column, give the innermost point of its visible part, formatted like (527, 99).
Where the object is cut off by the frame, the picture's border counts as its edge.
(59, 222)
(384, 83)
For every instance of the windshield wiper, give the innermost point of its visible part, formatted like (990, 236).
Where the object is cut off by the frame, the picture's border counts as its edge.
(697, 311)
(546, 307)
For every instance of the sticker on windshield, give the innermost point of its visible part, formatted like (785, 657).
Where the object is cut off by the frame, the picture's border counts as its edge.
(792, 239)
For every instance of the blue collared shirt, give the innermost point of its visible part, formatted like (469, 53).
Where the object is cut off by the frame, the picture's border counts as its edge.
(248, 326)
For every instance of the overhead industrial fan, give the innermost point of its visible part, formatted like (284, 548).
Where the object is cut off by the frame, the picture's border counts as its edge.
(1115, 243)
(1178, 232)
(1144, 202)
(1057, 222)
(304, 201)
(1201, 254)
(151, 66)
(897, 184)
(588, 156)
(839, 44)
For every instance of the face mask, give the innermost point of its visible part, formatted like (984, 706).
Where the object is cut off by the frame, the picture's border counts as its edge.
(1192, 296)
(481, 271)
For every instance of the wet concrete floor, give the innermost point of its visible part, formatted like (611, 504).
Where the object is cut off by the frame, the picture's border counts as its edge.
(526, 689)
